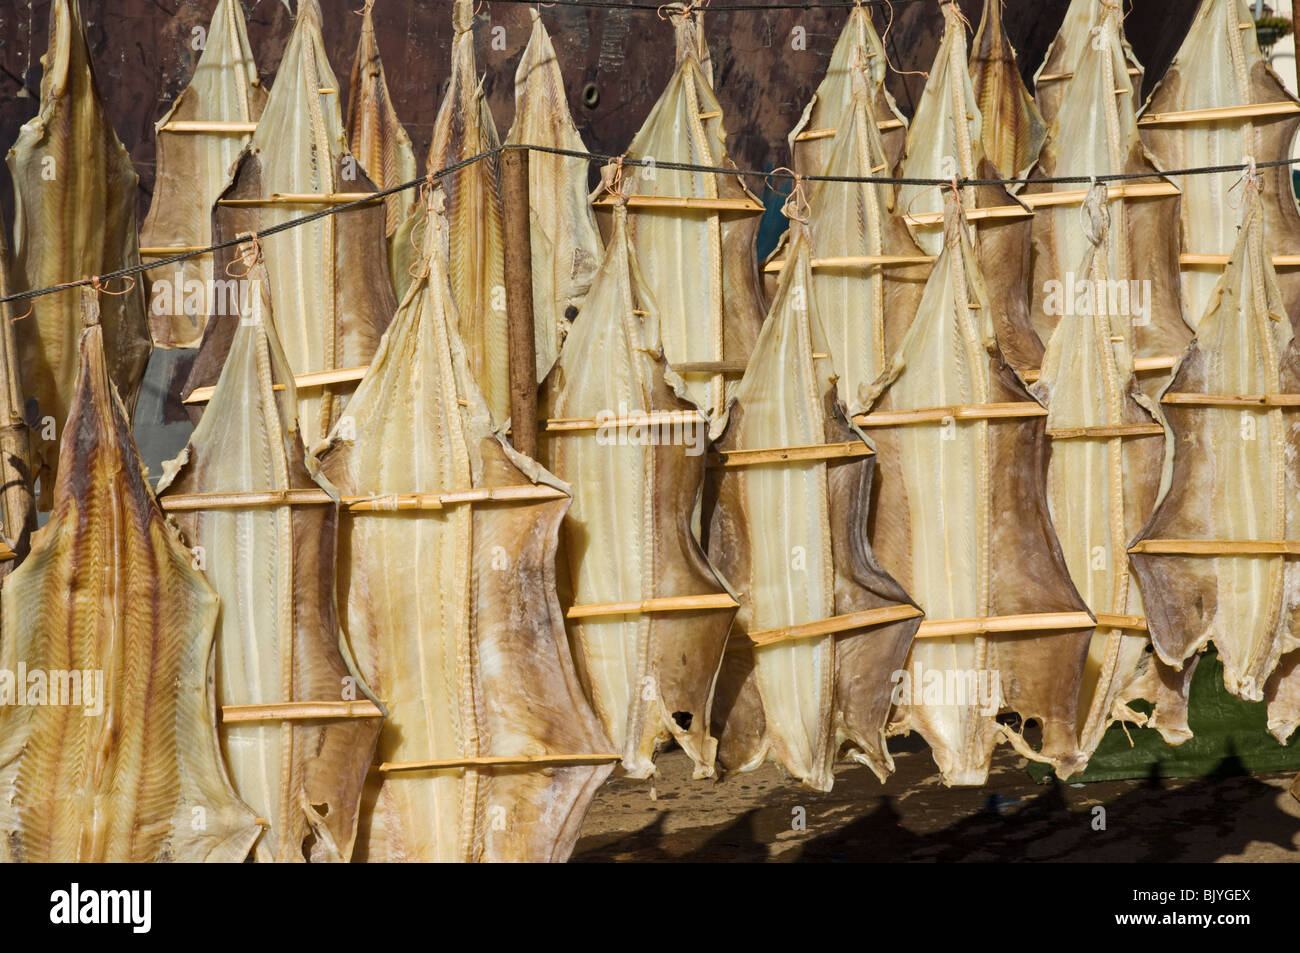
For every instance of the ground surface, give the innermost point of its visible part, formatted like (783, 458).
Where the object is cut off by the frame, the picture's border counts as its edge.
(912, 817)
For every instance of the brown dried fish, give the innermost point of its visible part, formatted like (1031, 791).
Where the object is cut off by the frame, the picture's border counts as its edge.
(827, 625)
(632, 445)
(112, 756)
(278, 640)
(962, 522)
(565, 241)
(193, 169)
(451, 610)
(74, 217)
(1014, 129)
(17, 504)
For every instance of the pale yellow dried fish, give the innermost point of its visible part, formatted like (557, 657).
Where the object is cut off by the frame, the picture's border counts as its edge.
(1071, 44)
(74, 217)
(123, 764)
(193, 169)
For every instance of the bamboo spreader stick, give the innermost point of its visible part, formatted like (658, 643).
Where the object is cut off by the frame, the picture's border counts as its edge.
(657, 419)
(392, 503)
(1140, 365)
(839, 623)
(663, 604)
(686, 202)
(829, 451)
(497, 761)
(1218, 547)
(735, 368)
(343, 375)
(994, 624)
(854, 261)
(1105, 433)
(300, 711)
(519, 298)
(893, 418)
(1247, 111)
(206, 126)
(302, 198)
(1233, 400)
(1279, 261)
(828, 133)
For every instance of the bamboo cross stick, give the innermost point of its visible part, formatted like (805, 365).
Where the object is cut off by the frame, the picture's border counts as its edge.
(209, 126)
(1104, 433)
(735, 368)
(829, 132)
(343, 375)
(1232, 400)
(1279, 261)
(839, 623)
(302, 198)
(6, 551)
(1221, 113)
(1140, 190)
(1057, 77)
(973, 215)
(854, 261)
(658, 418)
(829, 451)
(1141, 365)
(894, 418)
(1108, 620)
(1218, 547)
(992, 625)
(662, 604)
(685, 202)
(162, 251)
(387, 503)
(497, 761)
(300, 711)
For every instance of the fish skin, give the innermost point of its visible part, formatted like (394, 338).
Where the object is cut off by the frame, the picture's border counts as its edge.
(378, 139)
(1068, 47)
(1096, 133)
(939, 147)
(278, 637)
(970, 535)
(691, 257)
(17, 501)
(1283, 695)
(193, 169)
(60, 236)
(449, 657)
(565, 240)
(1233, 477)
(1014, 129)
(813, 696)
(129, 783)
(859, 56)
(1219, 65)
(463, 128)
(1101, 492)
(628, 535)
(328, 279)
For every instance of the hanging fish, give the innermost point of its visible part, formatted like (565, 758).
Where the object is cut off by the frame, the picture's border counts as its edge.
(1096, 134)
(1107, 460)
(566, 243)
(74, 217)
(328, 279)
(858, 57)
(464, 128)
(1213, 559)
(278, 640)
(962, 522)
(1070, 46)
(649, 616)
(1282, 692)
(193, 169)
(1219, 66)
(448, 579)
(946, 140)
(821, 626)
(378, 140)
(1013, 128)
(124, 765)
(17, 503)
(693, 233)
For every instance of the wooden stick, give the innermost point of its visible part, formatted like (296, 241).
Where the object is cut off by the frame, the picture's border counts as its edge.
(1233, 400)
(686, 202)
(839, 623)
(1141, 190)
(201, 125)
(736, 368)
(1248, 111)
(302, 198)
(894, 418)
(1103, 433)
(991, 625)
(1057, 77)
(1279, 261)
(658, 418)
(663, 604)
(829, 451)
(6, 551)
(1141, 365)
(830, 133)
(1218, 547)
(972, 215)
(358, 504)
(854, 261)
(163, 251)
(1109, 620)
(343, 375)
(497, 761)
(519, 298)
(300, 711)
(185, 502)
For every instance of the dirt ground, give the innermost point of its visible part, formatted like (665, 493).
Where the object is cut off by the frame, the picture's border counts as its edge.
(913, 817)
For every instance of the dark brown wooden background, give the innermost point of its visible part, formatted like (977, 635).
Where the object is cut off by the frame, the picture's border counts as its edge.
(143, 60)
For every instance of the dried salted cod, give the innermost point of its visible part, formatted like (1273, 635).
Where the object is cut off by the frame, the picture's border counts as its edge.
(821, 626)
(1096, 134)
(634, 453)
(17, 504)
(120, 765)
(698, 262)
(961, 521)
(1219, 66)
(946, 139)
(859, 56)
(1282, 692)
(378, 139)
(464, 128)
(193, 169)
(1013, 129)
(451, 610)
(1107, 460)
(328, 279)
(566, 243)
(1213, 558)
(1071, 44)
(278, 639)
(74, 217)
